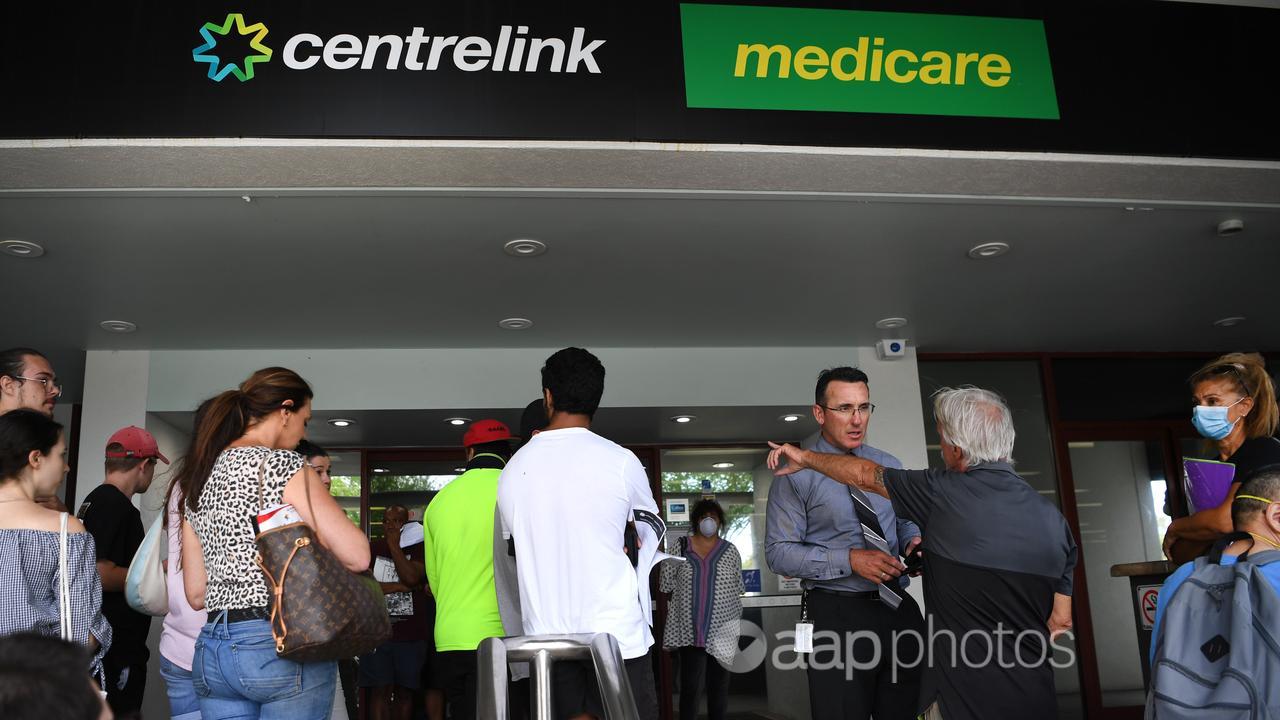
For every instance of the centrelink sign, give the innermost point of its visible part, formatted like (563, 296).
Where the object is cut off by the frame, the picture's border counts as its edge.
(511, 49)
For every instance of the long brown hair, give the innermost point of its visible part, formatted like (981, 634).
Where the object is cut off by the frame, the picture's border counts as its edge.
(1248, 372)
(222, 419)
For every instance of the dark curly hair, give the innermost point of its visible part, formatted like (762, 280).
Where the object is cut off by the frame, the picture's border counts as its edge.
(704, 507)
(575, 378)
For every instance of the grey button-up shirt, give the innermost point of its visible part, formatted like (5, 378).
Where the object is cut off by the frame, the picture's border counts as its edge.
(811, 525)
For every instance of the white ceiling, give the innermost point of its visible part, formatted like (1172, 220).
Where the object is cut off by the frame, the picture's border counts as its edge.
(652, 246)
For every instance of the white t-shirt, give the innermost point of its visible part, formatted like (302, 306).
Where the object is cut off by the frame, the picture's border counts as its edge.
(566, 498)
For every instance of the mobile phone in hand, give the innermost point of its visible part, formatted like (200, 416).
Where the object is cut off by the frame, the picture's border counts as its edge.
(914, 560)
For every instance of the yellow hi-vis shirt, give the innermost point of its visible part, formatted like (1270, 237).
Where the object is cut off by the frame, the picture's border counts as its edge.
(459, 554)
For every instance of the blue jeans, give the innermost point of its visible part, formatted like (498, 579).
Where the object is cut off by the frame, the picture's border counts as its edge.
(237, 674)
(183, 703)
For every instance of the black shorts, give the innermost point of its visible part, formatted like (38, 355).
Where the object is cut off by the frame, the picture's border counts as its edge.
(126, 685)
(575, 690)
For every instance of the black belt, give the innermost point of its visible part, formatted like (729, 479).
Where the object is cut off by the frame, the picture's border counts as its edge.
(861, 595)
(253, 613)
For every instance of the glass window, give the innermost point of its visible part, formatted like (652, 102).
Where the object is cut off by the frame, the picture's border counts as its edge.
(345, 487)
(1120, 492)
(736, 478)
(408, 482)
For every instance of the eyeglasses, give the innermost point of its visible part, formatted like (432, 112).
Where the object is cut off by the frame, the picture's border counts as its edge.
(51, 386)
(1231, 369)
(864, 409)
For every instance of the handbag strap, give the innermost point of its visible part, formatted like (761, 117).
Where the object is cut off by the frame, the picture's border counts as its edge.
(64, 582)
(306, 482)
(262, 469)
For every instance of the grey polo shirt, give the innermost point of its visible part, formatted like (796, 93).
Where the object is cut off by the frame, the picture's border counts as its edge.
(996, 551)
(811, 525)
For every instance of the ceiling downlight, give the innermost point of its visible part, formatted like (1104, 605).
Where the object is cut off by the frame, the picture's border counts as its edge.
(524, 247)
(515, 323)
(986, 251)
(118, 326)
(21, 248)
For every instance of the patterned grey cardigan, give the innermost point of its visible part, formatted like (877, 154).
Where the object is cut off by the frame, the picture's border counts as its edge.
(723, 604)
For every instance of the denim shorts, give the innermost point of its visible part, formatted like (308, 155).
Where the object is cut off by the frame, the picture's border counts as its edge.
(237, 674)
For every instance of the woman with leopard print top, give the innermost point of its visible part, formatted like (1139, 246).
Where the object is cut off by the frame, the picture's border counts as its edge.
(241, 460)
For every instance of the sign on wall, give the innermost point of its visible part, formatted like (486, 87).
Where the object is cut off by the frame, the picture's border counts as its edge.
(773, 58)
(1086, 76)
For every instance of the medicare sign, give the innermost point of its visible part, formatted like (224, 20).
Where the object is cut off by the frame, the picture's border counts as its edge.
(768, 58)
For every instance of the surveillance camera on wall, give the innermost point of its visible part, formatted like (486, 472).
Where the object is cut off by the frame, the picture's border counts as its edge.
(891, 349)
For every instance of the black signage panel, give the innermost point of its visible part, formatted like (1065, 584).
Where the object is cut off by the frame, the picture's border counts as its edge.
(1158, 78)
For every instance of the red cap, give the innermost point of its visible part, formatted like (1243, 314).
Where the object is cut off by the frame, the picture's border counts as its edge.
(138, 443)
(485, 431)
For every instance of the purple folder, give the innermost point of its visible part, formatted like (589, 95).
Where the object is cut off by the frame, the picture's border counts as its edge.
(1207, 482)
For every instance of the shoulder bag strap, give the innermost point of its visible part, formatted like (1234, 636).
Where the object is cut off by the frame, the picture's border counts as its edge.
(64, 582)
(262, 469)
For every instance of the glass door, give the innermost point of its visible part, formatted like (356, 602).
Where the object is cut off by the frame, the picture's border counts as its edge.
(407, 477)
(1122, 482)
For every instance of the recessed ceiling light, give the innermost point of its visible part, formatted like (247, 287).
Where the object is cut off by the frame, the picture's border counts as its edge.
(988, 250)
(459, 469)
(1229, 321)
(722, 465)
(1234, 226)
(683, 418)
(892, 323)
(380, 470)
(791, 417)
(457, 420)
(342, 422)
(117, 326)
(524, 247)
(21, 248)
(515, 324)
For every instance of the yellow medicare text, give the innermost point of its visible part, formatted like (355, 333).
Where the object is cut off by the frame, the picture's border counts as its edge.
(869, 61)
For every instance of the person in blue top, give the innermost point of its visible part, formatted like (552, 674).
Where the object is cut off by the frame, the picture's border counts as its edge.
(1256, 510)
(844, 549)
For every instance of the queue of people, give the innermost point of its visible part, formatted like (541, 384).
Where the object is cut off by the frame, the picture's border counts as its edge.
(543, 541)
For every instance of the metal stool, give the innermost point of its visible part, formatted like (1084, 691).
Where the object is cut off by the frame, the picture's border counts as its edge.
(540, 650)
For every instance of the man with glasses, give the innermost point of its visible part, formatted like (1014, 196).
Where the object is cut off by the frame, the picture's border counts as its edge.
(27, 381)
(845, 545)
(110, 517)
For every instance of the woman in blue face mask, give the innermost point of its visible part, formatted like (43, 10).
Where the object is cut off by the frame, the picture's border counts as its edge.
(706, 605)
(1235, 408)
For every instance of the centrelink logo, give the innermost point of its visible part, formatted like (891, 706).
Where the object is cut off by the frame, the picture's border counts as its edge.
(218, 69)
(513, 51)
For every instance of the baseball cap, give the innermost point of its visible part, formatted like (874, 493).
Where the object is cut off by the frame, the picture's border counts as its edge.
(138, 443)
(485, 431)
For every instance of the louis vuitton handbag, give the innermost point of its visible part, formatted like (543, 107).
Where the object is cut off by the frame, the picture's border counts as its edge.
(320, 610)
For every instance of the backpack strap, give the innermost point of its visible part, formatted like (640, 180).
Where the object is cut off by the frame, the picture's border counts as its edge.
(1226, 541)
(1259, 559)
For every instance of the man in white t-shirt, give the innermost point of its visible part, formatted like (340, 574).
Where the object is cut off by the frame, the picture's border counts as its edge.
(565, 499)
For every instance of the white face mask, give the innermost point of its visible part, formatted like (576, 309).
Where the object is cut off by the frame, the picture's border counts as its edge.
(707, 527)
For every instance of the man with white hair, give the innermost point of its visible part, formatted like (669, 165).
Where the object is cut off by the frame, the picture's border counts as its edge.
(999, 558)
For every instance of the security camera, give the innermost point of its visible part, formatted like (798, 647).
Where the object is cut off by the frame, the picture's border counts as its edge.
(891, 349)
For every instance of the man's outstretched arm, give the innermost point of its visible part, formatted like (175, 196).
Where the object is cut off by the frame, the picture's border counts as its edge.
(848, 469)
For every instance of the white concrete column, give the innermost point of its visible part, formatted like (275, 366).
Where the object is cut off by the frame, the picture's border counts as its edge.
(115, 395)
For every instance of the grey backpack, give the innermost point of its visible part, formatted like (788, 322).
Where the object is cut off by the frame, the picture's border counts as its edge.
(1218, 654)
